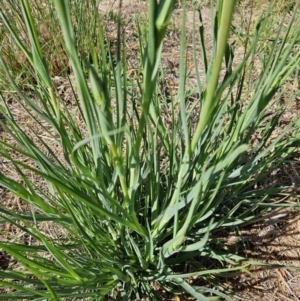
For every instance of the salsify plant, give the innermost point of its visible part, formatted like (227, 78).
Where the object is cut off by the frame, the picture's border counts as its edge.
(134, 201)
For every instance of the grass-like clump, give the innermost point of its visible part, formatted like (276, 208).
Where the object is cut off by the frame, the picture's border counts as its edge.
(133, 201)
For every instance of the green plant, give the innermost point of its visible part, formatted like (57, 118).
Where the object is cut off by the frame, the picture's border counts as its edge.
(50, 36)
(120, 220)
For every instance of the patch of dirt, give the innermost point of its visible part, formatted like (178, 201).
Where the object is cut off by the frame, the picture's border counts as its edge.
(273, 239)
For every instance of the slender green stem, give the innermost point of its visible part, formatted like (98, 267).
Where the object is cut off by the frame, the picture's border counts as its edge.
(209, 101)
